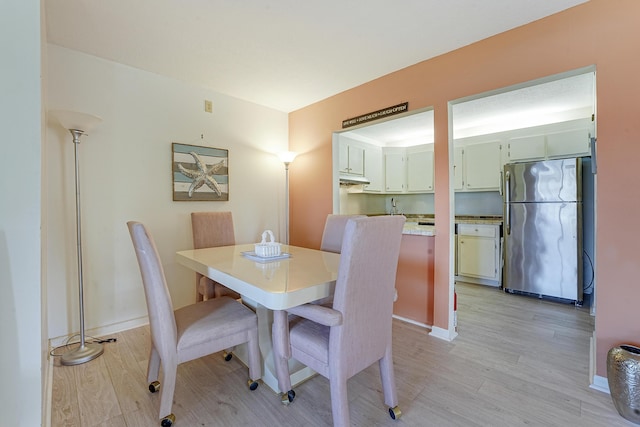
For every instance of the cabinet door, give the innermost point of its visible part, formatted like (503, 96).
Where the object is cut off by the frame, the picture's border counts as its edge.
(394, 172)
(343, 157)
(373, 169)
(482, 166)
(573, 143)
(356, 160)
(477, 257)
(458, 178)
(420, 171)
(526, 148)
(351, 159)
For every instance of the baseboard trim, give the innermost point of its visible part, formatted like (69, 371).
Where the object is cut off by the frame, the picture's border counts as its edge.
(101, 331)
(443, 334)
(48, 393)
(597, 382)
(601, 384)
(413, 322)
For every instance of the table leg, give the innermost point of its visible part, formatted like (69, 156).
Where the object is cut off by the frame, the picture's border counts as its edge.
(281, 350)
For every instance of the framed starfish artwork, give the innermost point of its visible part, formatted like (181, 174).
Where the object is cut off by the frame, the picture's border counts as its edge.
(200, 173)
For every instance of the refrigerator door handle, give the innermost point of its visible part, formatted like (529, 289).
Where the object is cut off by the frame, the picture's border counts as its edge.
(507, 204)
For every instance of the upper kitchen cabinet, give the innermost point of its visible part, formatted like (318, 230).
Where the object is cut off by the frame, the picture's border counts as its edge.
(553, 141)
(351, 157)
(478, 160)
(373, 169)
(420, 169)
(408, 169)
(482, 166)
(569, 143)
(395, 171)
(526, 148)
(397, 154)
(477, 165)
(458, 178)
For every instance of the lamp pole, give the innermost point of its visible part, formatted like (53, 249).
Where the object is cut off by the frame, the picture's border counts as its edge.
(287, 158)
(75, 123)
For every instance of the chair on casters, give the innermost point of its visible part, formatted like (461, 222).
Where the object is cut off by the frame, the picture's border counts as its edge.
(340, 342)
(190, 332)
(212, 229)
(333, 232)
(332, 241)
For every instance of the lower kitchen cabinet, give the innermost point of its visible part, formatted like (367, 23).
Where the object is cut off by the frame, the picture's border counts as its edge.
(414, 279)
(479, 254)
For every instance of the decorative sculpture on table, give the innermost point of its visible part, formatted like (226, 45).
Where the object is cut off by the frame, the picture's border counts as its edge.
(200, 173)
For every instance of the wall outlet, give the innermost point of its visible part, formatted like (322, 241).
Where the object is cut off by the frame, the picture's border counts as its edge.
(208, 106)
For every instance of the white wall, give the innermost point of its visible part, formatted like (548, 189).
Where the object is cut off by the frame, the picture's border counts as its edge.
(126, 175)
(20, 214)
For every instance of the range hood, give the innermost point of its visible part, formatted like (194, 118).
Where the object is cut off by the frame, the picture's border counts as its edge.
(353, 180)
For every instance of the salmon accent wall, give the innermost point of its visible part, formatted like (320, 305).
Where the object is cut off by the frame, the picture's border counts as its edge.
(601, 33)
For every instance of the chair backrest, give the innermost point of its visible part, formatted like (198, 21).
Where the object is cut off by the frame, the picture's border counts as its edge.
(161, 318)
(364, 291)
(212, 229)
(333, 232)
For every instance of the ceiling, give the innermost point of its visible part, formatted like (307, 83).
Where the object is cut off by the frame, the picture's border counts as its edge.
(556, 99)
(283, 54)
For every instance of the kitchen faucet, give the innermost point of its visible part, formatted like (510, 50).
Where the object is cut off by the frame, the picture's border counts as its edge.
(394, 208)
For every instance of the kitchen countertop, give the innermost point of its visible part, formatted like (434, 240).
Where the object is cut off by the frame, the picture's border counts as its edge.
(412, 225)
(459, 219)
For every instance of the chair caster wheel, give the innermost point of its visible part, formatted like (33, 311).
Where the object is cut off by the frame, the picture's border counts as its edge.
(227, 356)
(252, 384)
(168, 420)
(395, 412)
(287, 397)
(154, 387)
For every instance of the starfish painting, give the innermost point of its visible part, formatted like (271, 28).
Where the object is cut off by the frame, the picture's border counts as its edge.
(202, 175)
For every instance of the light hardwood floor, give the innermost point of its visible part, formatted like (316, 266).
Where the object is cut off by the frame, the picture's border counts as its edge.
(516, 361)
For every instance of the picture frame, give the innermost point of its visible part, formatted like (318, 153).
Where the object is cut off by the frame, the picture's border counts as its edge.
(199, 173)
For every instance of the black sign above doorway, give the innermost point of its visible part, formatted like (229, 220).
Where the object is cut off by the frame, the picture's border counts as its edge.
(375, 115)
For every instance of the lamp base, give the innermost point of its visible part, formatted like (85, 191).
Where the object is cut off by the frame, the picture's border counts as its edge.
(82, 354)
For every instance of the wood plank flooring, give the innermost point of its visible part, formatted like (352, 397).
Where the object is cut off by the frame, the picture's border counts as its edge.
(517, 361)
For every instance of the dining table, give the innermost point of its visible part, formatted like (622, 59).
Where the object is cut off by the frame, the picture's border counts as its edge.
(270, 286)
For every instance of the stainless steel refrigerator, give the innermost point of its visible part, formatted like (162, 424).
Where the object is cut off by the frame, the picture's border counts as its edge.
(543, 228)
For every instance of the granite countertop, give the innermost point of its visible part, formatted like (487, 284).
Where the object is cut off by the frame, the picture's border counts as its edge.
(480, 219)
(459, 219)
(413, 226)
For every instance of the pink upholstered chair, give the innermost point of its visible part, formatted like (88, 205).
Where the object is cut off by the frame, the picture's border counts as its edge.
(333, 232)
(340, 342)
(190, 332)
(332, 241)
(212, 229)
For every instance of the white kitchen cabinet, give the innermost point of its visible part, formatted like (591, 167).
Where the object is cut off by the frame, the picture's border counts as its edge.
(373, 169)
(420, 169)
(458, 171)
(351, 158)
(394, 171)
(571, 143)
(526, 148)
(482, 165)
(478, 253)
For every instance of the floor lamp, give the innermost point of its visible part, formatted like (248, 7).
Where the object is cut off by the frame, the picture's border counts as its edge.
(78, 124)
(287, 157)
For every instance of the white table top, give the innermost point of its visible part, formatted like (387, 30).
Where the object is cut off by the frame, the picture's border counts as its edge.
(306, 276)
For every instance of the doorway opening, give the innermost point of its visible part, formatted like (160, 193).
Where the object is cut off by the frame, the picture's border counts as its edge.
(538, 121)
